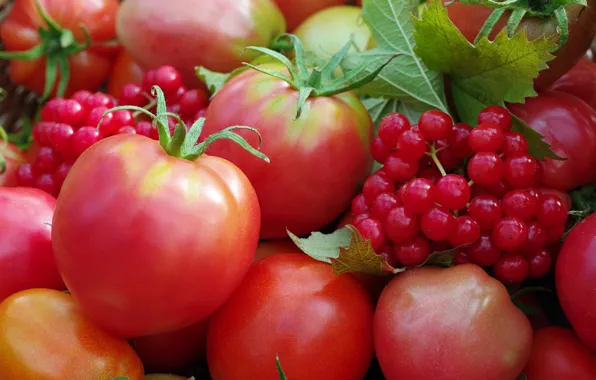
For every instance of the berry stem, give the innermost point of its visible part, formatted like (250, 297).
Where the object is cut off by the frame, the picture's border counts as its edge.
(433, 156)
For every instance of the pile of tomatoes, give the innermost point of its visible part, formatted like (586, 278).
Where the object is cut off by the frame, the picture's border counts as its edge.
(144, 223)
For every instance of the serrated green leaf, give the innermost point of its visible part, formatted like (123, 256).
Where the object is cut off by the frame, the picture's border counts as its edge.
(406, 78)
(323, 247)
(378, 108)
(538, 147)
(212, 79)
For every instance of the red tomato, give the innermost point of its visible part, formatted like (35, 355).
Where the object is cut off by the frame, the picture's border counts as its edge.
(89, 68)
(558, 354)
(44, 335)
(26, 255)
(569, 125)
(157, 33)
(575, 276)
(157, 240)
(312, 178)
(442, 324)
(125, 71)
(579, 81)
(469, 19)
(13, 157)
(296, 307)
(273, 247)
(297, 11)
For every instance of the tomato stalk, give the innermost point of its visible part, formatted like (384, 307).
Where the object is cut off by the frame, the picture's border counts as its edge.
(57, 44)
(183, 143)
(315, 82)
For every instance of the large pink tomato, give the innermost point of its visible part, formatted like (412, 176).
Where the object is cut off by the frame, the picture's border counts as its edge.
(318, 161)
(148, 242)
(579, 81)
(190, 33)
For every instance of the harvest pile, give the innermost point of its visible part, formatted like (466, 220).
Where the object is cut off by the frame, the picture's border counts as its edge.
(323, 189)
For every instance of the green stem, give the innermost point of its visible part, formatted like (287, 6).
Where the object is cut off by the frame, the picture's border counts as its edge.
(433, 156)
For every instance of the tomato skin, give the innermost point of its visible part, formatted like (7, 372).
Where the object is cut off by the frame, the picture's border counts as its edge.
(294, 306)
(312, 178)
(575, 276)
(295, 12)
(268, 248)
(459, 319)
(141, 27)
(568, 124)
(26, 254)
(125, 71)
(469, 19)
(44, 335)
(13, 157)
(580, 81)
(113, 239)
(89, 68)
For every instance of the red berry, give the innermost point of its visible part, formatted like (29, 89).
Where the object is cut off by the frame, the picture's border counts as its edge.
(510, 234)
(391, 127)
(379, 150)
(515, 144)
(458, 140)
(96, 116)
(358, 218)
(413, 253)
(519, 204)
(61, 173)
(418, 195)
(461, 257)
(554, 234)
(453, 192)
(411, 145)
(98, 100)
(487, 137)
(359, 205)
(536, 237)
(46, 161)
(168, 79)
(68, 111)
(447, 156)
(435, 125)
(148, 81)
(145, 128)
(540, 263)
(399, 169)
(383, 204)
(51, 110)
(81, 96)
(25, 175)
(534, 193)
(372, 230)
(83, 139)
(486, 168)
(484, 252)
(498, 190)
(486, 210)
(132, 95)
(192, 101)
(511, 269)
(376, 184)
(128, 130)
(60, 136)
(401, 226)
(431, 174)
(551, 212)
(437, 223)
(522, 171)
(466, 231)
(497, 115)
(41, 132)
(47, 183)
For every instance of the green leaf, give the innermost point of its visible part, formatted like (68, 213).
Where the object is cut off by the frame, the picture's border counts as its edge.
(323, 247)
(538, 147)
(212, 79)
(282, 375)
(406, 78)
(378, 108)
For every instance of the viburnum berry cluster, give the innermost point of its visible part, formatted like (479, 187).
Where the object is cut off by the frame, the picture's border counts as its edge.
(487, 210)
(69, 126)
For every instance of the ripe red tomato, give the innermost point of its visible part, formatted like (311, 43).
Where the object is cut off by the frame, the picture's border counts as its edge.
(558, 354)
(579, 81)
(297, 11)
(44, 335)
(273, 247)
(443, 324)
(89, 68)
(173, 352)
(296, 307)
(26, 255)
(569, 125)
(575, 276)
(125, 71)
(469, 19)
(147, 236)
(158, 33)
(318, 162)
(13, 158)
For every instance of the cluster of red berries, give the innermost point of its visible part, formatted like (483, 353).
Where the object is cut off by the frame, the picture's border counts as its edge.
(69, 126)
(496, 217)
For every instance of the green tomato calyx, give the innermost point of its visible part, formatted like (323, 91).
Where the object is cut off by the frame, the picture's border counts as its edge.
(315, 82)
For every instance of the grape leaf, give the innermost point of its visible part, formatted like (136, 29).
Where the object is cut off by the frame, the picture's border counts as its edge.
(323, 247)
(406, 79)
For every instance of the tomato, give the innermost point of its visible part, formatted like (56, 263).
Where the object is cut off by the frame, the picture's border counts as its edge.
(579, 81)
(457, 323)
(173, 351)
(44, 335)
(157, 33)
(557, 354)
(147, 236)
(125, 71)
(295, 12)
(469, 19)
(296, 307)
(88, 68)
(568, 124)
(273, 247)
(26, 255)
(318, 162)
(575, 276)
(13, 157)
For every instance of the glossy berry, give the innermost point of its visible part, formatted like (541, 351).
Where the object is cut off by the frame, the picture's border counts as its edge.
(384, 204)
(59, 137)
(83, 139)
(47, 183)
(447, 156)
(522, 171)
(536, 237)
(435, 125)
(98, 99)
(511, 269)
(192, 101)
(358, 218)
(419, 195)
(41, 132)
(413, 253)
(401, 226)
(461, 257)
(497, 115)
(61, 173)
(132, 95)
(486, 168)
(359, 205)
(453, 192)
(540, 263)
(400, 169)
(145, 128)
(519, 204)
(485, 210)
(510, 234)
(483, 251)
(411, 145)
(127, 131)
(437, 223)
(466, 231)
(458, 140)
(554, 234)
(25, 175)
(379, 150)
(46, 161)
(515, 144)
(391, 128)
(376, 184)
(168, 79)
(499, 189)
(68, 111)
(534, 193)
(81, 96)
(431, 174)
(372, 230)
(487, 137)
(551, 212)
